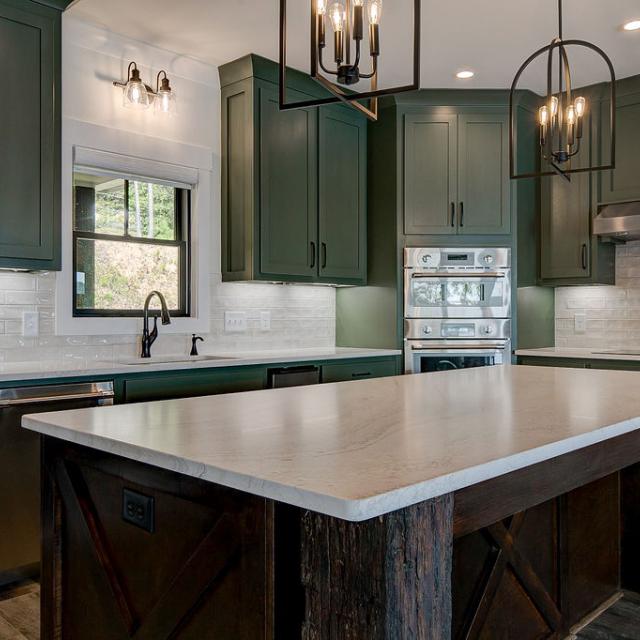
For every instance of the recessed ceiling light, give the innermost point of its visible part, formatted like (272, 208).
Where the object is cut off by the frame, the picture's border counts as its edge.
(633, 25)
(465, 74)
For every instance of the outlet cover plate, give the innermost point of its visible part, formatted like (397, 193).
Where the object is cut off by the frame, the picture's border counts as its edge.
(265, 320)
(580, 323)
(30, 324)
(138, 510)
(235, 321)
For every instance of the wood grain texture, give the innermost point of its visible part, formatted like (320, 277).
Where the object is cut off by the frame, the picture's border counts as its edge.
(619, 622)
(382, 579)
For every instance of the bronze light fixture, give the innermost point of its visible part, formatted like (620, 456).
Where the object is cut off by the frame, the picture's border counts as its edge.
(138, 95)
(347, 21)
(561, 119)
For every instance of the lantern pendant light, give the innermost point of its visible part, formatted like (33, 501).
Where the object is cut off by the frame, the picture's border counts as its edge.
(346, 20)
(561, 118)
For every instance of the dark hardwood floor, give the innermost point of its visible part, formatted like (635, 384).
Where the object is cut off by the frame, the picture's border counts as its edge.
(20, 617)
(621, 621)
(20, 612)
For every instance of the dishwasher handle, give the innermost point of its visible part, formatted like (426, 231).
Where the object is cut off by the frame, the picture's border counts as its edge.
(102, 392)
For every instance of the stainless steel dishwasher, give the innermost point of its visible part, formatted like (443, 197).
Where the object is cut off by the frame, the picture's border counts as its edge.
(20, 468)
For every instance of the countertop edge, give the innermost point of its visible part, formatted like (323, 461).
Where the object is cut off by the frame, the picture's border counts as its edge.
(352, 510)
(232, 361)
(579, 354)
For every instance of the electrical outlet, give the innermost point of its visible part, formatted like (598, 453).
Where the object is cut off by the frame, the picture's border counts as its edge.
(138, 510)
(580, 322)
(30, 324)
(265, 320)
(235, 321)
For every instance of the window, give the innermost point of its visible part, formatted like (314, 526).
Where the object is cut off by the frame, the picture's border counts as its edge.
(130, 236)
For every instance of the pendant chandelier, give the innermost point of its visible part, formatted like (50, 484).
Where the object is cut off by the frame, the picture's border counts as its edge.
(561, 119)
(346, 19)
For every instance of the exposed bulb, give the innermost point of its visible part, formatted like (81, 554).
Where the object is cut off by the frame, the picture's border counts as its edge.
(337, 16)
(358, 3)
(571, 115)
(375, 11)
(580, 106)
(165, 102)
(553, 106)
(321, 7)
(543, 115)
(136, 95)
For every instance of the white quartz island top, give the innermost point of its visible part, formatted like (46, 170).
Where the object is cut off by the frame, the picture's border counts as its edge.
(356, 450)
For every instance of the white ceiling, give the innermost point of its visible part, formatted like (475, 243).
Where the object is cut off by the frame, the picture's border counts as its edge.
(492, 37)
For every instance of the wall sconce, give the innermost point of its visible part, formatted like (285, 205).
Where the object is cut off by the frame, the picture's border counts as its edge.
(138, 95)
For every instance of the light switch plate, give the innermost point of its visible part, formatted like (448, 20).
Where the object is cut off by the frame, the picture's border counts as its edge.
(235, 321)
(30, 324)
(265, 320)
(580, 322)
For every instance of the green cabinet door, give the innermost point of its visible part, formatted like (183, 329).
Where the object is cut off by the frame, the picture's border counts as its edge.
(29, 135)
(341, 372)
(288, 182)
(342, 198)
(484, 190)
(430, 173)
(623, 183)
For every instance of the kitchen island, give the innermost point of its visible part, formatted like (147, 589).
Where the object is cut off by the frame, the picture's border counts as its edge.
(478, 503)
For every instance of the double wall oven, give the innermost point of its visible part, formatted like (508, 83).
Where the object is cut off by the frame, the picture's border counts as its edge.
(457, 308)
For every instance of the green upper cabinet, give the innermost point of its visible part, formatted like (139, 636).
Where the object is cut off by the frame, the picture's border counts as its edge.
(293, 182)
(624, 182)
(30, 136)
(430, 173)
(456, 173)
(570, 254)
(483, 174)
(342, 195)
(288, 191)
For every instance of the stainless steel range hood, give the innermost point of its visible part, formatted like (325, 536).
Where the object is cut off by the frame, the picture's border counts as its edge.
(619, 221)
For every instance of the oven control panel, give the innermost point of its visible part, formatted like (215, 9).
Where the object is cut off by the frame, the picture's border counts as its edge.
(486, 328)
(457, 259)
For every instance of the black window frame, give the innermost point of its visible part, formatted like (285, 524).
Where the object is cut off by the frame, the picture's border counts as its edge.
(182, 225)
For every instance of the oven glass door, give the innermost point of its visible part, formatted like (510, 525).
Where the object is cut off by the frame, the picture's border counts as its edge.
(437, 297)
(428, 360)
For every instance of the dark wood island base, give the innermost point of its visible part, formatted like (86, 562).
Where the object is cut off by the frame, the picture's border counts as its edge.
(525, 555)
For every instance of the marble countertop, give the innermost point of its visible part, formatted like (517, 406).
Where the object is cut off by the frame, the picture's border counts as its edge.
(589, 354)
(19, 372)
(356, 450)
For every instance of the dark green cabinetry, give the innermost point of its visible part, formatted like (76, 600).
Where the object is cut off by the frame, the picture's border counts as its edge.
(456, 173)
(624, 182)
(356, 370)
(195, 383)
(30, 135)
(580, 363)
(293, 182)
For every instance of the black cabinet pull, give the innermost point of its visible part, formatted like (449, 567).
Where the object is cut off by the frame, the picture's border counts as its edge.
(324, 255)
(462, 214)
(313, 254)
(584, 257)
(453, 214)
(363, 374)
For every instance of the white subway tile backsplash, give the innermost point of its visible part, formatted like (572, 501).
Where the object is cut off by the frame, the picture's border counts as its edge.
(301, 316)
(613, 313)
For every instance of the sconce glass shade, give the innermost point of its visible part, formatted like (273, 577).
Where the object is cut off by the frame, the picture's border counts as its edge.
(135, 95)
(165, 102)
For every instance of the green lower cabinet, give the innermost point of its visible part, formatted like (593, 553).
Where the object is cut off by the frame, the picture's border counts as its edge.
(580, 363)
(356, 370)
(294, 182)
(197, 383)
(30, 136)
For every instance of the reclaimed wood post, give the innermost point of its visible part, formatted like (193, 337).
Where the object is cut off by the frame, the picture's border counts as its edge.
(383, 579)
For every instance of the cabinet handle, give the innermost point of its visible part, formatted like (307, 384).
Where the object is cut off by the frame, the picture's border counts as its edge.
(313, 254)
(462, 214)
(362, 374)
(453, 214)
(324, 255)
(584, 257)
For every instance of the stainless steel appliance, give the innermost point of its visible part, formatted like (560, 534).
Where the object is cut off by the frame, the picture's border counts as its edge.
(20, 468)
(457, 307)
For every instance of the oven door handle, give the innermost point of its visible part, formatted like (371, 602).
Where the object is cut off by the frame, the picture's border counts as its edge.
(491, 346)
(444, 276)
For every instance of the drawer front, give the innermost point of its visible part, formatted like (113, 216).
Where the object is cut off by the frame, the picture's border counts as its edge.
(358, 370)
(190, 385)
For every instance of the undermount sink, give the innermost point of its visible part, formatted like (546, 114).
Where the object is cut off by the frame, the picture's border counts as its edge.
(172, 360)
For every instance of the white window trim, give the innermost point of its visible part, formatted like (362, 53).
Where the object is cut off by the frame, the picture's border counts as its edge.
(171, 162)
